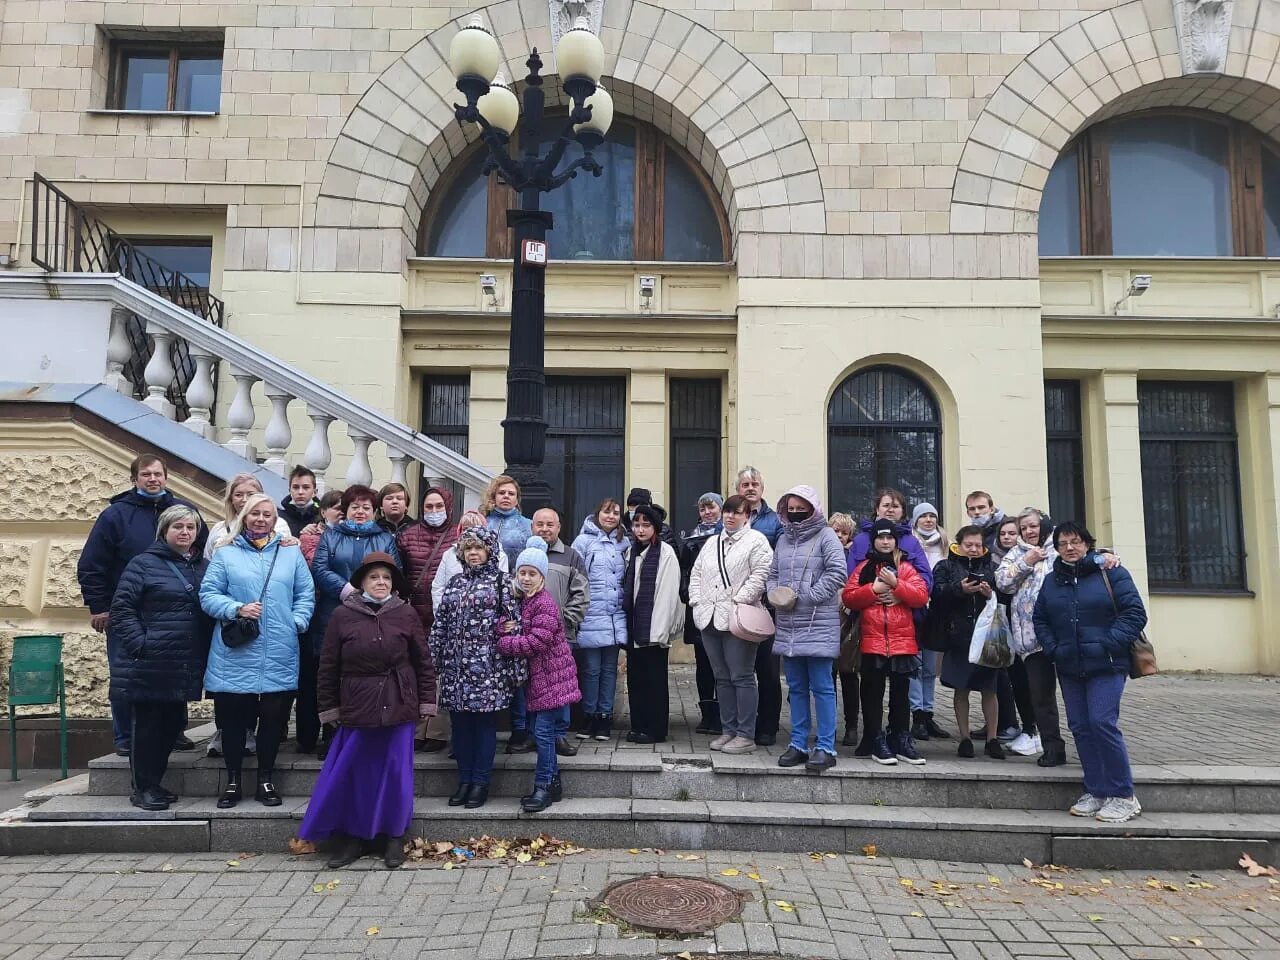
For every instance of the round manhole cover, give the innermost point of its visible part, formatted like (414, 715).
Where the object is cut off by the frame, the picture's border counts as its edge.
(672, 904)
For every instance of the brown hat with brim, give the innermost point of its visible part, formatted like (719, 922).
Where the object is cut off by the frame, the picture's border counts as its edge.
(379, 559)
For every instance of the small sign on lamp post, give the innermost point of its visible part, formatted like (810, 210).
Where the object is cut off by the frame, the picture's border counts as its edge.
(534, 253)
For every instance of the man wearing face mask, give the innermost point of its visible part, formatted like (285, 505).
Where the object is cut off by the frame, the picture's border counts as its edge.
(983, 514)
(422, 546)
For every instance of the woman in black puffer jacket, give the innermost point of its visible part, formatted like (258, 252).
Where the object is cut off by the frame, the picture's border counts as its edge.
(164, 642)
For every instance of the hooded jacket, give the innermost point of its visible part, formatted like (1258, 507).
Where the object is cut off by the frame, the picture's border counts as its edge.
(162, 631)
(1015, 576)
(887, 631)
(604, 560)
(374, 667)
(1077, 625)
(955, 612)
(907, 543)
(338, 555)
(553, 675)
(422, 548)
(122, 531)
(809, 559)
(235, 577)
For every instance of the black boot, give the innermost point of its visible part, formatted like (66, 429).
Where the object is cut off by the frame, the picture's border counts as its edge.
(348, 852)
(231, 795)
(710, 718)
(393, 856)
(935, 731)
(459, 796)
(919, 729)
(266, 794)
(566, 748)
(1052, 758)
(556, 790)
(850, 735)
(537, 801)
(477, 796)
(519, 742)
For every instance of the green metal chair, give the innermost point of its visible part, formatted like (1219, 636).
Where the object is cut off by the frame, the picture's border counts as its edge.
(35, 679)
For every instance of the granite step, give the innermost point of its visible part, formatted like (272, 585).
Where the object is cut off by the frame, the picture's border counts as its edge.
(1156, 840)
(647, 775)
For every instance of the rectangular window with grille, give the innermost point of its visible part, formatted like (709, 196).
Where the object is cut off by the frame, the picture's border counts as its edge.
(695, 447)
(1191, 485)
(1064, 439)
(586, 445)
(446, 418)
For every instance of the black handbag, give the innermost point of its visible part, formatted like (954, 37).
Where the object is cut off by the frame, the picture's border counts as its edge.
(241, 631)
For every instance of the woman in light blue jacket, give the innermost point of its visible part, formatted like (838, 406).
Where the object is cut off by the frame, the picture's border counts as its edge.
(255, 578)
(603, 546)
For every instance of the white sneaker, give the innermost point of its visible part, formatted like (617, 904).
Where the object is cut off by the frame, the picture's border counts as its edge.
(739, 745)
(1119, 810)
(1026, 746)
(1086, 806)
(719, 742)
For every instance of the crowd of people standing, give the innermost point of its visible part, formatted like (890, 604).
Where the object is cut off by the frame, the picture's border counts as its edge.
(384, 634)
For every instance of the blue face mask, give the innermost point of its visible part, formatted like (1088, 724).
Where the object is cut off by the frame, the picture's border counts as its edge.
(435, 518)
(149, 496)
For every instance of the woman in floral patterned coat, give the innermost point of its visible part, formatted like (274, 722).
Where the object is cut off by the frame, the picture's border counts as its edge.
(476, 681)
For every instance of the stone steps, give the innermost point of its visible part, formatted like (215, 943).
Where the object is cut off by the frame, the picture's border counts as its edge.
(1157, 840)
(647, 775)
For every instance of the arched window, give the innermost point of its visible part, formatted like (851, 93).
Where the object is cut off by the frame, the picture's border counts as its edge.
(651, 203)
(883, 430)
(1165, 183)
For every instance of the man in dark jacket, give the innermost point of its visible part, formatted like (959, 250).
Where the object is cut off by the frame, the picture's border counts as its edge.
(301, 508)
(567, 583)
(691, 544)
(122, 531)
(761, 517)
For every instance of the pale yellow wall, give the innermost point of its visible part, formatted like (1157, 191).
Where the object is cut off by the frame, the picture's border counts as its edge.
(1218, 634)
(57, 478)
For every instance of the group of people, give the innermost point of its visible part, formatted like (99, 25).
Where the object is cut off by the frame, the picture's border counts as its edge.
(384, 633)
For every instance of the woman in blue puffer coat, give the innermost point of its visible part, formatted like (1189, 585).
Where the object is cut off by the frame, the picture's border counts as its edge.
(603, 546)
(255, 682)
(1086, 621)
(339, 554)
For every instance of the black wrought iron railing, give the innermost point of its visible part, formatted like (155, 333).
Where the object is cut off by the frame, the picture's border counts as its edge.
(66, 238)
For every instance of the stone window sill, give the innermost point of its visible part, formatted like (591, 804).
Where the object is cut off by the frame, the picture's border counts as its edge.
(152, 113)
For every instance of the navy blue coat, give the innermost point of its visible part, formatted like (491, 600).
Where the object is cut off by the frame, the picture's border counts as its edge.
(769, 523)
(162, 633)
(1076, 624)
(338, 554)
(122, 531)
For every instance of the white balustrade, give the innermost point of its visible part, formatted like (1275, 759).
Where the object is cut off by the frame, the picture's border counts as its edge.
(399, 466)
(240, 416)
(159, 371)
(200, 395)
(318, 454)
(360, 470)
(278, 435)
(119, 349)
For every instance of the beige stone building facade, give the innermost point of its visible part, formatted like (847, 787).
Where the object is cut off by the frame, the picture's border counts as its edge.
(930, 220)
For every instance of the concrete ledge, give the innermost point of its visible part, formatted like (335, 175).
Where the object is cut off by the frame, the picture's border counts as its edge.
(119, 836)
(1160, 853)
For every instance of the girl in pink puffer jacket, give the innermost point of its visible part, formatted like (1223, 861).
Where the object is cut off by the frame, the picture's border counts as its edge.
(553, 674)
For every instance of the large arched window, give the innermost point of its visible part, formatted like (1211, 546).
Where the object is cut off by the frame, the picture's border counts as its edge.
(651, 203)
(1164, 183)
(883, 430)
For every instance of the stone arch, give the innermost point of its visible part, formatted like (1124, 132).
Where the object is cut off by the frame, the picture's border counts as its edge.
(660, 67)
(1116, 60)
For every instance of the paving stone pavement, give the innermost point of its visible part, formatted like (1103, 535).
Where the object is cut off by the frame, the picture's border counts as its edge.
(266, 907)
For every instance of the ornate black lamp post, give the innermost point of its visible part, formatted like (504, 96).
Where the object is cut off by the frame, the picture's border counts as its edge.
(474, 58)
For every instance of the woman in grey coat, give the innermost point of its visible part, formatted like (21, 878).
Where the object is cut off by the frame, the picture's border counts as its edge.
(804, 586)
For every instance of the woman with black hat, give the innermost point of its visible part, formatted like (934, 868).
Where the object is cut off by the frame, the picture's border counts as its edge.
(655, 617)
(376, 681)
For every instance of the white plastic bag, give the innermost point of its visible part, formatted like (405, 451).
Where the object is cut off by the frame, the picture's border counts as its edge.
(990, 646)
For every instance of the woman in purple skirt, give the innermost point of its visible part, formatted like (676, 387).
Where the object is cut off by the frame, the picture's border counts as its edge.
(376, 681)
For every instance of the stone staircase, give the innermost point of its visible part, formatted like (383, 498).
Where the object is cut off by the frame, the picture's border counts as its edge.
(622, 796)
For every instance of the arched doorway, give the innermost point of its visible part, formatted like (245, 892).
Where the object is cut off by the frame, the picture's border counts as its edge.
(884, 429)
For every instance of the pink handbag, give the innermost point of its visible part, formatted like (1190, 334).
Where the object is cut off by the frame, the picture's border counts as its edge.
(750, 622)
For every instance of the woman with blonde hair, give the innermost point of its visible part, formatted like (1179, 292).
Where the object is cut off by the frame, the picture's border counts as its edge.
(239, 489)
(501, 508)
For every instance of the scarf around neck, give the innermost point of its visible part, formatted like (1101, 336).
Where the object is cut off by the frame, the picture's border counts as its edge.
(369, 526)
(258, 543)
(874, 562)
(639, 605)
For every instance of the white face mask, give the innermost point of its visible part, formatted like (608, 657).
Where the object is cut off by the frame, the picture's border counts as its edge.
(435, 519)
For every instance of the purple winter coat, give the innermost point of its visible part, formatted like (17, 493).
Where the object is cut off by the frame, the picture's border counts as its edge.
(553, 674)
(907, 543)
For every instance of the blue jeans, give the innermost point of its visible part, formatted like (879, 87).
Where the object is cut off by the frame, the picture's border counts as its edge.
(545, 724)
(1093, 714)
(520, 710)
(562, 722)
(599, 680)
(475, 741)
(811, 676)
(922, 685)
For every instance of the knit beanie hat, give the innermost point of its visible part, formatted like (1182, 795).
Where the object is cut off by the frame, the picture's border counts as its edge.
(711, 497)
(920, 510)
(639, 495)
(881, 527)
(651, 512)
(533, 555)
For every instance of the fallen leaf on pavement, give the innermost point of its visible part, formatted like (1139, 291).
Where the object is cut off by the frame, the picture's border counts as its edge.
(784, 906)
(994, 881)
(1195, 942)
(1095, 918)
(523, 857)
(167, 868)
(371, 932)
(907, 882)
(298, 846)
(755, 876)
(448, 865)
(684, 955)
(332, 885)
(916, 913)
(869, 851)
(1028, 864)
(233, 863)
(1255, 869)
(730, 872)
